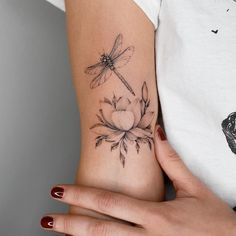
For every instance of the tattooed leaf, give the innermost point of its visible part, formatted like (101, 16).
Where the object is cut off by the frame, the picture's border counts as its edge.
(106, 100)
(96, 125)
(109, 141)
(144, 92)
(98, 142)
(100, 118)
(124, 146)
(114, 146)
(122, 159)
(137, 146)
(119, 99)
(114, 100)
(148, 103)
(149, 144)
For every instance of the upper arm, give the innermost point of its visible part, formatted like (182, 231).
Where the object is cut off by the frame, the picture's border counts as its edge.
(93, 27)
(117, 124)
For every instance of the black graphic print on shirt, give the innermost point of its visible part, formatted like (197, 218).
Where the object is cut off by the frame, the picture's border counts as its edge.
(229, 128)
(227, 10)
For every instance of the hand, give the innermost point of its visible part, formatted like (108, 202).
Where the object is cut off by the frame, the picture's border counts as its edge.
(196, 211)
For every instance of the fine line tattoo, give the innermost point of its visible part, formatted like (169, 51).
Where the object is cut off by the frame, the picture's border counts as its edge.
(122, 123)
(109, 63)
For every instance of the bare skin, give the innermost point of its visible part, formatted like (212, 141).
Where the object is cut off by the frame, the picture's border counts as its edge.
(114, 78)
(196, 211)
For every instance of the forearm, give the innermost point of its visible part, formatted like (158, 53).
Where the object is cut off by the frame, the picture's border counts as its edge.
(118, 113)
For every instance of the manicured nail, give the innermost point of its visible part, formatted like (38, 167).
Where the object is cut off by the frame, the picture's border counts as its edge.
(57, 192)
(47, 222)
(161, 133)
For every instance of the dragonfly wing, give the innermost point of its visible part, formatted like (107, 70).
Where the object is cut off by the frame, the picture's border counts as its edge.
(124, 57)
(117, 46)
(101, 78)
(94, 69)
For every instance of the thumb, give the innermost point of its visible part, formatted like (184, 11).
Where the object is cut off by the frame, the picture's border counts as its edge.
(185, 183)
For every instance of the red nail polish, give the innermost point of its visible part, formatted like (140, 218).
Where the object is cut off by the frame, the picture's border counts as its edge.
(47, 222)
(57, 192)
(161, 133)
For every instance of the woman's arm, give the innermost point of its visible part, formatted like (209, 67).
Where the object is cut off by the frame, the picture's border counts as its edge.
(117, 97)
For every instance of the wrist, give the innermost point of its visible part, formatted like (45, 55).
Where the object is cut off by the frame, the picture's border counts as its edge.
(113, 177)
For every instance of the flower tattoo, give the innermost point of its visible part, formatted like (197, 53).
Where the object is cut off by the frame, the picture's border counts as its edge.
(122, 122)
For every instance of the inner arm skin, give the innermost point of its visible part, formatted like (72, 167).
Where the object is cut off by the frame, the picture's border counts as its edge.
(92, 28)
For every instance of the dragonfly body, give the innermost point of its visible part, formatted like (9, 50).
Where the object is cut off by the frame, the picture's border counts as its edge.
(109, 63)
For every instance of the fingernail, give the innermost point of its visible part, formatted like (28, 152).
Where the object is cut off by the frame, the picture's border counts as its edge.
(161, 133)
(57, 192)
(47, 222)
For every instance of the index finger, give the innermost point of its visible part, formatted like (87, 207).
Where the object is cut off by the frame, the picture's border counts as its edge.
(109, 203)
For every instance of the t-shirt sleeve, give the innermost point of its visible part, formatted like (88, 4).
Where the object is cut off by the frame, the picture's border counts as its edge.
(150, 8)
(58, 3)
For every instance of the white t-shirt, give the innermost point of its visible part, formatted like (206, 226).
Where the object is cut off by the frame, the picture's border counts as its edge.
(196, 74)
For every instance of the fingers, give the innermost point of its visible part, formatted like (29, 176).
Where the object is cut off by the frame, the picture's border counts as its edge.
(82, 225)
(102, 201)
(184, 181)
(75, 210)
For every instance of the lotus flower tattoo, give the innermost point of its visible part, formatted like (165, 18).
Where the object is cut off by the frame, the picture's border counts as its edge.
(122, 122)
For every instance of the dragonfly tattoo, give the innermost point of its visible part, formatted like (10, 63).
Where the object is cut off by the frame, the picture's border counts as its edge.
(109, 63)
